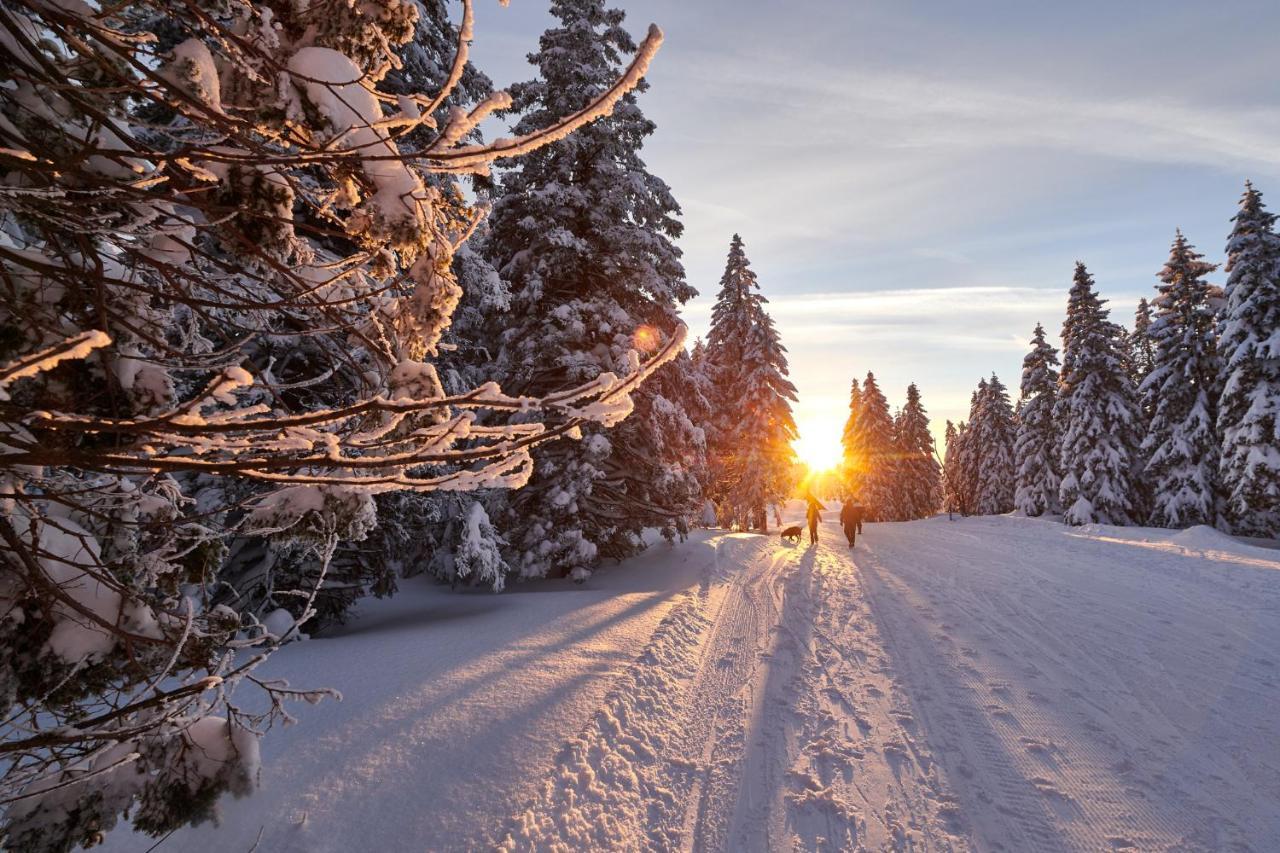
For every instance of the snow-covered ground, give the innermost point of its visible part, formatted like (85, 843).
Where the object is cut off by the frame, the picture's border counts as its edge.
(992, 683)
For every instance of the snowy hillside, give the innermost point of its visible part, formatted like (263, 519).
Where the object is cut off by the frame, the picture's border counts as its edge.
(987, 683)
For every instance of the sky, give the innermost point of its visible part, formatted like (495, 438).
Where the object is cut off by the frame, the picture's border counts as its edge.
(914, 181)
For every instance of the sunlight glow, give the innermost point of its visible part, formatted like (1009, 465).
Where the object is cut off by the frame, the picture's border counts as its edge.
(819, 444)
(647, 339)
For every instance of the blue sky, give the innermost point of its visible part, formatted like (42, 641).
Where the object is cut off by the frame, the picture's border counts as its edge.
(914, 181)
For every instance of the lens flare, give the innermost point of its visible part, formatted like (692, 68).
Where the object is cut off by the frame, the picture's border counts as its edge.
(647, 339)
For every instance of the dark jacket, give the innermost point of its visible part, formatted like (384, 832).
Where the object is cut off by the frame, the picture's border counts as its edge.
(851, 514)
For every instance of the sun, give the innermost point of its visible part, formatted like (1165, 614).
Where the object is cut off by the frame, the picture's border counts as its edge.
(818, 444)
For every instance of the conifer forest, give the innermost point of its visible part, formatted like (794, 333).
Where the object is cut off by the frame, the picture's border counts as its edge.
(384, 466)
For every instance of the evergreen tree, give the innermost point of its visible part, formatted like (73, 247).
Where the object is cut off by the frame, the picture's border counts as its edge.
(872, 445)
(1035, 448)
(969, 456)
(1140, 346)
(752, 458)
(1181, 393)
(583, 234)
(657, 468)
(1249, 343)
(965, 467)
(950, 472)
(919, 477)
(851, 464)
(1097, 412)
(897, 510)
(994, 427)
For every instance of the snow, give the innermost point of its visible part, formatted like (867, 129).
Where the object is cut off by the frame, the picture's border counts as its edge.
(193, 64)
(279, 623)
(70, 558)
(332, 84)
(983, 683)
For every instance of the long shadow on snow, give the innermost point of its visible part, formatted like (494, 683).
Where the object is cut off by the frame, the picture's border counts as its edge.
(981, 809)
(396, 731)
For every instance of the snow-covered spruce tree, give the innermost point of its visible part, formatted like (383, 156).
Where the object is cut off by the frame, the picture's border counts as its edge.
(223, 283)
(752, 461)
(950, 468)
(872, 444)
(698, 397)
(966, 471)
(919, 477)
(657, 466)
(583, 234)
(1097, 412)
(851, 466)
(996, 472)
(897, 508)
(1035, 446)
(1180, 447)
(1249, 343)
(1141, 348)
(968, 452)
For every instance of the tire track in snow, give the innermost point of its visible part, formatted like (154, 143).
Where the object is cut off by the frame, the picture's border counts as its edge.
(1001, 807)
(937, 689)
(1091, 671)
(657, 767)
(861, 779)
(716, 722)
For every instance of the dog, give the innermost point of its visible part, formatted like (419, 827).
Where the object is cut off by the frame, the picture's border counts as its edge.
(792, 534)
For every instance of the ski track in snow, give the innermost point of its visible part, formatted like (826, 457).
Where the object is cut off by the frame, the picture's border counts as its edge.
(1000, 684)
(988, 684)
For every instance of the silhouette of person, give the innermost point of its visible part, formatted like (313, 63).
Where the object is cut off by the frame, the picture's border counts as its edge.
(851, 520)
(813, 514)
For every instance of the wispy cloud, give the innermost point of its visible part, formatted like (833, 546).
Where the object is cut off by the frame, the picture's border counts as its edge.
(838, 105)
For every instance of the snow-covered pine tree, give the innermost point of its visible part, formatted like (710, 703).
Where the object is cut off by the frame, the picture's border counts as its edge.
(873, 447)
(1035, 447)
(583, 234)
(897, 508)
(657, 468)
(968, 452)
(1249, 343)
(919, 477)
(995, 431)
(223, 285)
(1141, 347)
(950, 468)
(1097, 412)
(851, 466)
(752, 460)
(1180, 447)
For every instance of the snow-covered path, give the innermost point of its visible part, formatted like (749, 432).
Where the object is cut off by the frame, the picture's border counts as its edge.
(1089, 689)
(987, 684)
(994, 684)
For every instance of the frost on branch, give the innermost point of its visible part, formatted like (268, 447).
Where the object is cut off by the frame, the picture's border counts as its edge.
(225, 284)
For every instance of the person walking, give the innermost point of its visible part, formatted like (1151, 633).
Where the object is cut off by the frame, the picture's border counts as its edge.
(813, 514)
(851, 520)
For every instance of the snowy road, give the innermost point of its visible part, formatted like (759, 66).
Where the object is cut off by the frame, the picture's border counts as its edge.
(982, 684)
(991, 684)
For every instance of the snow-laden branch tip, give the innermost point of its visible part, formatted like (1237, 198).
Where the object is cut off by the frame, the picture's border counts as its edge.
(476, 158)
(335, 447)
(70, 349)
